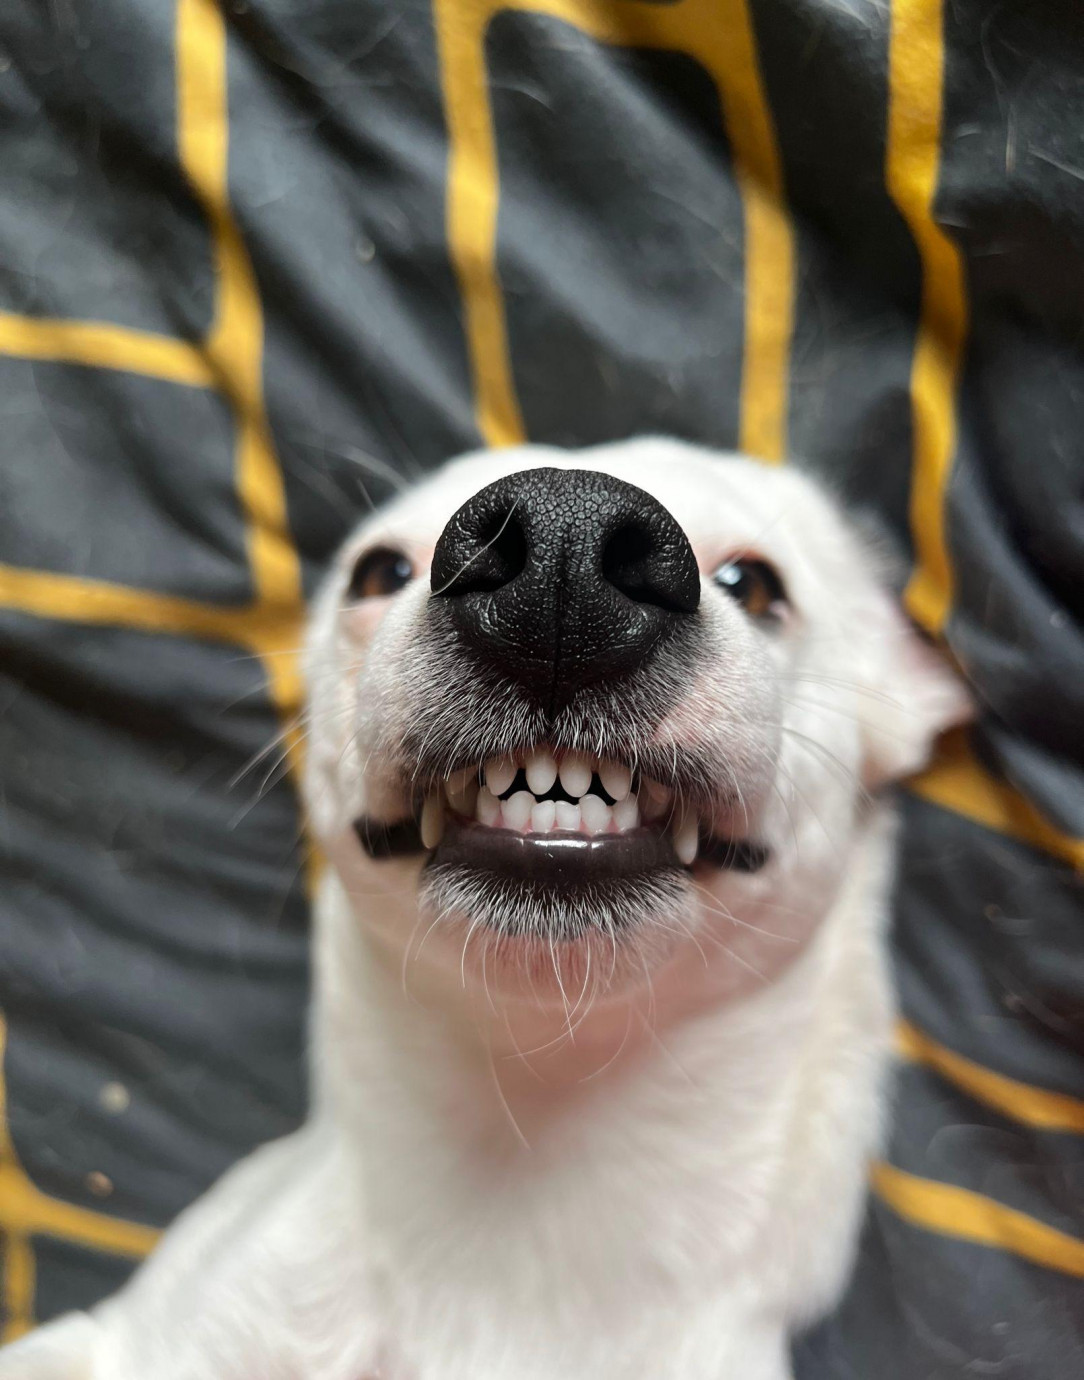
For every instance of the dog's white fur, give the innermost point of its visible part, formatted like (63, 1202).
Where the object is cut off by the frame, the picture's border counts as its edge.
(510, 1176)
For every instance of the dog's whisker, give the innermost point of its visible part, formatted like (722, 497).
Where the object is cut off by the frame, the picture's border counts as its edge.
(884, 697)
(830, 758)
(504, 1101)
(466, 945)
(736, 957)
(297, 726)
(814, 813)
(615, 1056)
(715, 907)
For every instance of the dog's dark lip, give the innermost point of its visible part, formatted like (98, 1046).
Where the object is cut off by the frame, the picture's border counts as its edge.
(554, 858)
(382, 840)
(734, 855)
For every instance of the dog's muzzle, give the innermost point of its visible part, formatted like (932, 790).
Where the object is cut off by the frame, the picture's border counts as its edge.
(579, 594)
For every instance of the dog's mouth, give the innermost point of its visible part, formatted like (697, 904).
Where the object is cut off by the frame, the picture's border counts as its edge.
(554, 819)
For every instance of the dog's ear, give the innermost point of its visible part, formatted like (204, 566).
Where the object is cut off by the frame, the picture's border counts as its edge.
(912, 696)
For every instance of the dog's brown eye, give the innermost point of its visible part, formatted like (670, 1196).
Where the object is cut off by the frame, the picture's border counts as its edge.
(752, 583)
(380, 572)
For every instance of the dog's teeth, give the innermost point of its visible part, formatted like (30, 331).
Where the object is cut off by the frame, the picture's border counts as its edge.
(487, 808)
(626, 814)
(654, 800)
(686, 838)
(517, 810)
(567, 817)
(462, 800)
(616, 779)
(432, 823)
(541, 771)
(575, 774)
(595, 813)
(542, 816)
(500, 773)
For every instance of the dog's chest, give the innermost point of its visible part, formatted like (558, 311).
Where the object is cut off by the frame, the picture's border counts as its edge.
(627, 1237)
(481, 1332)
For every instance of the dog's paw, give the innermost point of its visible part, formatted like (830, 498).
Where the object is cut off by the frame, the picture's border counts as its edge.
(63, 1350)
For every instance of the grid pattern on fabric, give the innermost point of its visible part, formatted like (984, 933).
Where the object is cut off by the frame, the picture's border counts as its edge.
(260, 263)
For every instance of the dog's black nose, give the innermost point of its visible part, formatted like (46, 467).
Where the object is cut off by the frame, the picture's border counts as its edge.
(560, 579)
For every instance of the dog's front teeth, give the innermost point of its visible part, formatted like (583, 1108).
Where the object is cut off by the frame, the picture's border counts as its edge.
(487, 808)
(575, 774)
(541, 771)
(500, 772)
(595, 814)
(432, 821)
(543, 816)
(616, 779)
(526, 812)
(517, 810)
(686, 837)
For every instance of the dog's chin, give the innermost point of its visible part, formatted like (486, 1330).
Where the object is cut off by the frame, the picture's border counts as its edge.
(515, 930)
(542, 916)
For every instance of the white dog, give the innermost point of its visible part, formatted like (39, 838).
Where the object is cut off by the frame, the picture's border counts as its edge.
(599, 1043)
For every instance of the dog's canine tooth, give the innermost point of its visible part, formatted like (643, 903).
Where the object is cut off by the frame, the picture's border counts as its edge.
(432, 821)
(575, 773)
(686, 837)
(500, 773)
(542, 816)
(487, 808)
(458, 781)
(541, 770)
(567, 817)
(616, 778)
(462, 799)
(626, 814)
(517, 810)
(595, 813)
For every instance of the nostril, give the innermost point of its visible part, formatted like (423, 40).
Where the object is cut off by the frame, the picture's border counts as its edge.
(506, 547)
(637, 563)
(623, 562)
(483, 555)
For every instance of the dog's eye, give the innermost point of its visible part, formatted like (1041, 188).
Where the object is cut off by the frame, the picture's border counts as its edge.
(380, 572)
(752, 583)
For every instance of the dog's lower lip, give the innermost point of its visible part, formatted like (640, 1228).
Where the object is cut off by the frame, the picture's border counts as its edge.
(554, 859)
